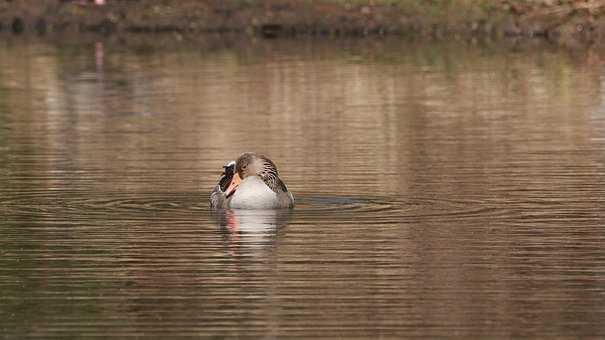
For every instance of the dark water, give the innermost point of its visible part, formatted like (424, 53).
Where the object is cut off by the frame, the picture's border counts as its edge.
(443, 191)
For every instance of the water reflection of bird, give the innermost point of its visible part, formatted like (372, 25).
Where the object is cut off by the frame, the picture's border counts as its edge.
(251, 182)
(248, 231)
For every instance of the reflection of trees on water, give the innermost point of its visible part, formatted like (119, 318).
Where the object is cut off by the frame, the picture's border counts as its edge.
(316, 109)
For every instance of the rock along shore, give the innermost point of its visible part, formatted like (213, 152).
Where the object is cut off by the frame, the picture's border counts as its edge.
(562, 21)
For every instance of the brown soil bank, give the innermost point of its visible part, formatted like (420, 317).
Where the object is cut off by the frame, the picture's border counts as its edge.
(557, 20)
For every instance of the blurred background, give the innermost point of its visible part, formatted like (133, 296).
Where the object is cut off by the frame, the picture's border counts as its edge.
(447, 160)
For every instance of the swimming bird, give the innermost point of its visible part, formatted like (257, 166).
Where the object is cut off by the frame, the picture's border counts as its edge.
(251, 182)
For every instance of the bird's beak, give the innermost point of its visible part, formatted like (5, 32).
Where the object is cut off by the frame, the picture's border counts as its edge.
(233, 185)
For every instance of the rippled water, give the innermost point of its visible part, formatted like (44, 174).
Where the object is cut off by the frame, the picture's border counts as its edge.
(442, 190)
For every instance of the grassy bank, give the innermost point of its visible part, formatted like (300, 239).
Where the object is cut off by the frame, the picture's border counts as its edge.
(557, 20)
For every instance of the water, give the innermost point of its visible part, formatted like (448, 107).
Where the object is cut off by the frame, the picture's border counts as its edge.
(442, 190)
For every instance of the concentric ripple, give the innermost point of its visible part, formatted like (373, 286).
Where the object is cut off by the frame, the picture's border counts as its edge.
(193, 205)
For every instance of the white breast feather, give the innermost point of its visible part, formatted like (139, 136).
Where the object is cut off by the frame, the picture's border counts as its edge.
(253, 193)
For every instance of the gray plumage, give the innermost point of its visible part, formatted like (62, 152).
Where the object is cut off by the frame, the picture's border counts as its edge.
(247, 165)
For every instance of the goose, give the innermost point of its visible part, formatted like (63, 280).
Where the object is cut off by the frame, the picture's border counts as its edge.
(251, 182)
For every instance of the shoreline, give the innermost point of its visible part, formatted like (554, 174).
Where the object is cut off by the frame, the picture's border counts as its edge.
(565, 23)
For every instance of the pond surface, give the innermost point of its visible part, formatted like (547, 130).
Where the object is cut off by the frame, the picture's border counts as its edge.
(442, 190)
